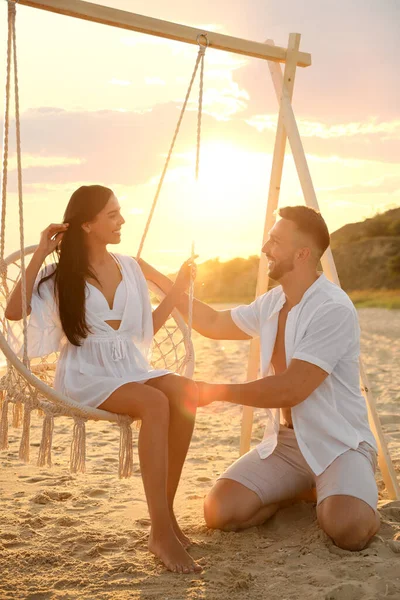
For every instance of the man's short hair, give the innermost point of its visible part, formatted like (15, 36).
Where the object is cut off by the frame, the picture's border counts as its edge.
(308, 221)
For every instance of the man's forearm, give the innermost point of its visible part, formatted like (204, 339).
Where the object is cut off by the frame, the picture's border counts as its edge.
(269, 392)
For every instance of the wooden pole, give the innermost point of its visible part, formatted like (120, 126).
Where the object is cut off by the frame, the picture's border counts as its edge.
(126, 20)
(272, 204)
(385, 463)
(292, 132)
(384, 460)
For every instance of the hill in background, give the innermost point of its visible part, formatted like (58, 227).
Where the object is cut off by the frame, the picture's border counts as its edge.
(367, 254)
(367, 257)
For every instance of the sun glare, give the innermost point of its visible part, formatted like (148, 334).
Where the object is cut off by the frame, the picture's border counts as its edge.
(227, 178)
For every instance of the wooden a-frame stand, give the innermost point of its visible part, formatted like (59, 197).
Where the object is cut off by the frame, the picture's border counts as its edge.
(286, 129)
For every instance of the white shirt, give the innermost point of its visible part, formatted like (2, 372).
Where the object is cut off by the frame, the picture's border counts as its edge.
(107, 358)
(323, 330)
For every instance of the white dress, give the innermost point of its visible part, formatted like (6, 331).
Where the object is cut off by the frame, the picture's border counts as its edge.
(107, 358)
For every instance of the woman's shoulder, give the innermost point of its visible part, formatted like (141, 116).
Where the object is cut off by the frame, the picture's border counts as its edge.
(125, 259)
(130, 264)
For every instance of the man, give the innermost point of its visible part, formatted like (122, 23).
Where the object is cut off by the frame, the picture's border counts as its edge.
(309, 336)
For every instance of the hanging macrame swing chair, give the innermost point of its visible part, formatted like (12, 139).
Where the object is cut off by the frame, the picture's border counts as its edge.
(27, 385)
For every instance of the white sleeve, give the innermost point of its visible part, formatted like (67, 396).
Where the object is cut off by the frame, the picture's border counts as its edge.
(147, 313)
(44, 331)
(247, 317)
(328, 337)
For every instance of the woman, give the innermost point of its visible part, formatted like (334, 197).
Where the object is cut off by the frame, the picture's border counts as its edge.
(94, 307)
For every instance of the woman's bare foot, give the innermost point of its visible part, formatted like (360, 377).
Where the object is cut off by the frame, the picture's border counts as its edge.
(170, 551)
(184, 540)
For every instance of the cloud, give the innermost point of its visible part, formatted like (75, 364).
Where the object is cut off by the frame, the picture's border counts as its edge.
(388, 129)
(129, 148)
(29, 160)
(117, 147)
(381, 185)
(370, 140)
(226, 103)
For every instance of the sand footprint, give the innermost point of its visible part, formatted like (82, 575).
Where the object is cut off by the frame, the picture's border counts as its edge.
(37, 479)
(60, 480)
(48, 496)
(391, 511)
(68, 522)
(96, 493)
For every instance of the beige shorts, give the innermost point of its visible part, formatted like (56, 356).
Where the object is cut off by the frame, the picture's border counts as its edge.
(285, 473)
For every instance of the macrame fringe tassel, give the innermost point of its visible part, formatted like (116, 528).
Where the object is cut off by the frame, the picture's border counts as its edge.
(17, 414)
(44, 457)
(4, 426)
(125, 450)
(26, 426)
(1, 399)
(78, 447)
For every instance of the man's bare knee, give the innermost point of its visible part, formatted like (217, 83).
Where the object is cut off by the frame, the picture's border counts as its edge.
(348, 530)
(351, 536)
(228, 504)
(213, 512)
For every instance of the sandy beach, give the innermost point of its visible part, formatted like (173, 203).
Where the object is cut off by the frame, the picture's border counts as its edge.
(65, 536)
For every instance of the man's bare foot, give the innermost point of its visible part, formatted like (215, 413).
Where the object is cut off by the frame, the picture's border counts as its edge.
(170, 551)
(184, 540)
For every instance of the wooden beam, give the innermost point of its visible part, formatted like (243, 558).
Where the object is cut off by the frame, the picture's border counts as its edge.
(115, 17)
(272, 204)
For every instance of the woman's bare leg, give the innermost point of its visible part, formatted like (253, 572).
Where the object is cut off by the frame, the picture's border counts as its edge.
(151, 406)
(182, 395)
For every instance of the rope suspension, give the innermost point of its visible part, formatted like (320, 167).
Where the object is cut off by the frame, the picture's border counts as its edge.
(199, 59)
(202, 40)
(12, 59)
(202, 51)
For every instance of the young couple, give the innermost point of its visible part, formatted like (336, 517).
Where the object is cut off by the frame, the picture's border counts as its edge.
(94, 307)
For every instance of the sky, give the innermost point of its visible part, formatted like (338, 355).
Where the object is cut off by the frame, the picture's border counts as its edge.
(100, 105)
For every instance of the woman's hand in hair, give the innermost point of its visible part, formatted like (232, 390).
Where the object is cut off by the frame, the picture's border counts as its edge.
(187, 272)
(49, 240)
(51, 237)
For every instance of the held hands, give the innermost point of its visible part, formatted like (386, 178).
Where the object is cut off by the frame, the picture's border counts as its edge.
(187, 271)
(51, 237)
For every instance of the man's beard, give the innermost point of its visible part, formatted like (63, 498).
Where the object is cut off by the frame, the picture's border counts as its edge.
(280, 269)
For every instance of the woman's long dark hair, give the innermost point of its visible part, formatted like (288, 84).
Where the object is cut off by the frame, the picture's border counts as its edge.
(72, 267)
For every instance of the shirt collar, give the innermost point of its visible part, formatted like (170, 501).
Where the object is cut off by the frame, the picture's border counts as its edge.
(311, 290)
(313, 287)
